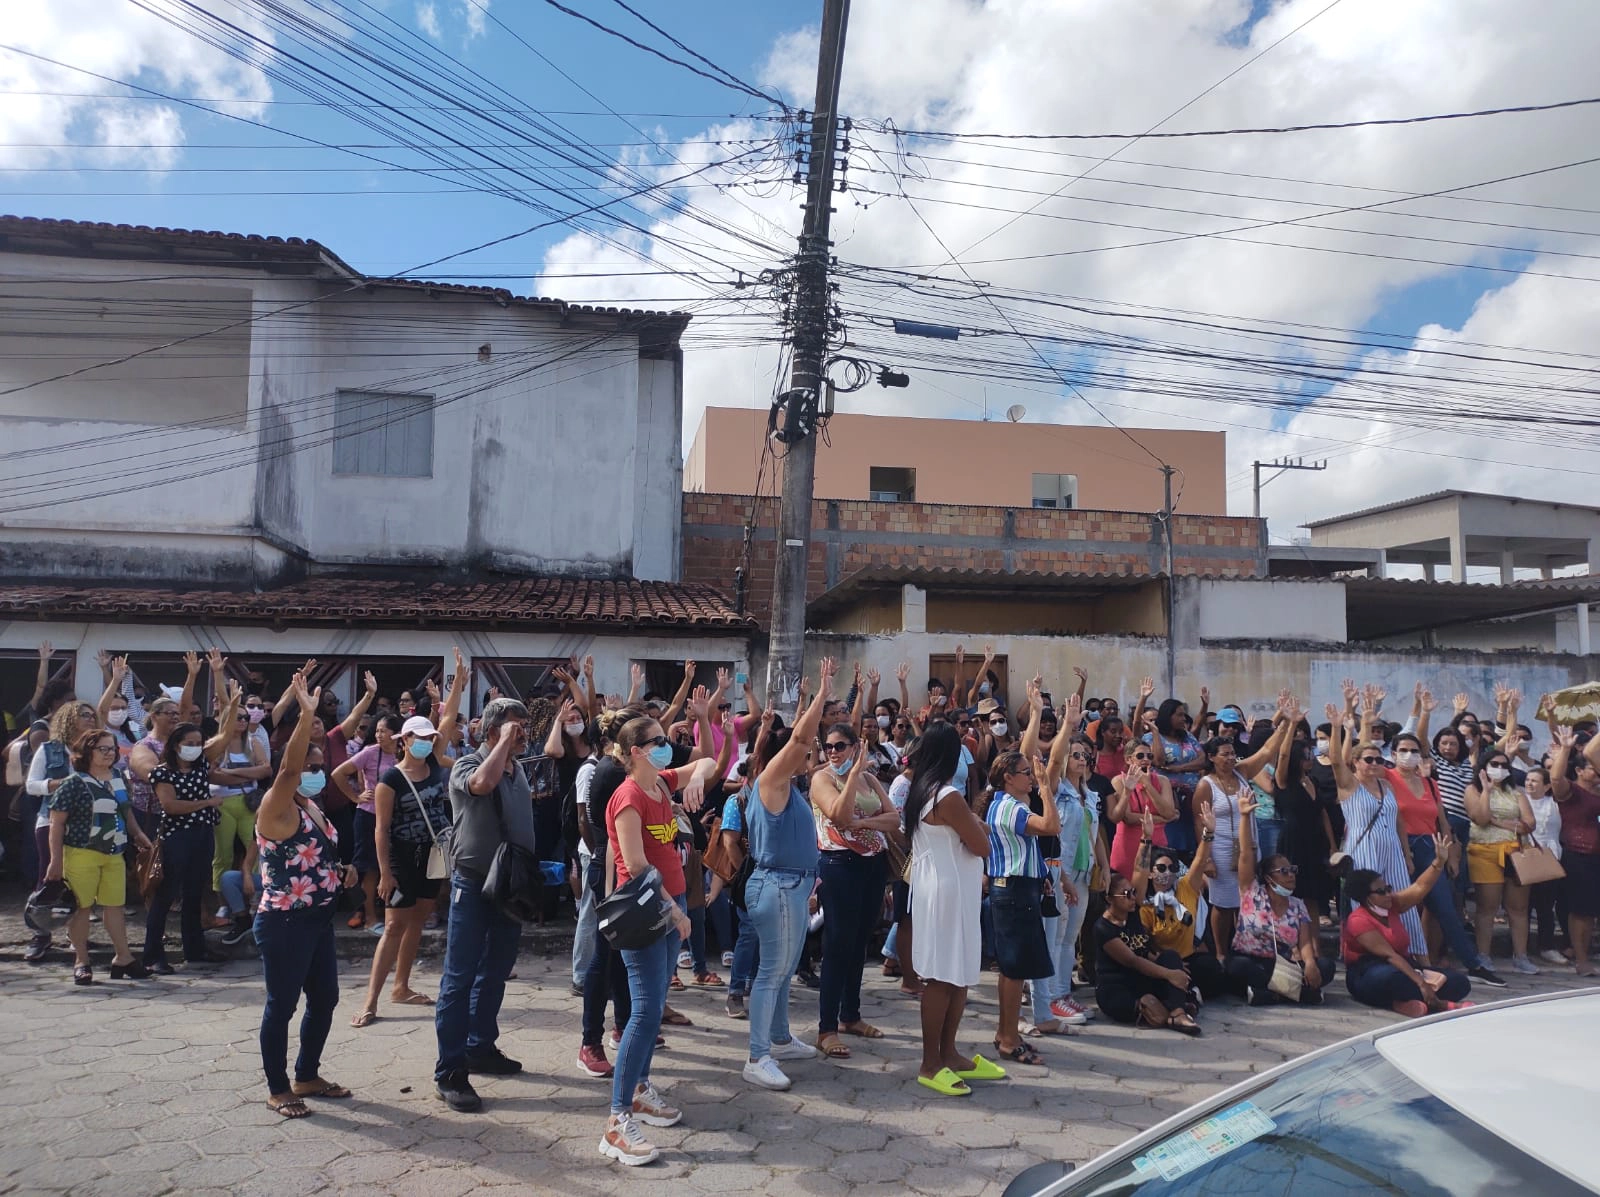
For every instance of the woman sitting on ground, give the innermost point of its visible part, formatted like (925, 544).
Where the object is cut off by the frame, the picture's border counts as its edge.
(1135, 982)
(1273, 925)
(1171, 913)
(1376, 969)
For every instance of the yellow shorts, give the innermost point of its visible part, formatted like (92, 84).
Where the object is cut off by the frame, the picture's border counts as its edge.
(1486, 863)
(95, 878)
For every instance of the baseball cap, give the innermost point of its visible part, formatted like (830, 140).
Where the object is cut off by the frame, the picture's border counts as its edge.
(1227, 715)
(419, 725)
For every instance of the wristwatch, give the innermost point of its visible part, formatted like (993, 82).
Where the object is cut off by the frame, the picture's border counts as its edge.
(1208, 836)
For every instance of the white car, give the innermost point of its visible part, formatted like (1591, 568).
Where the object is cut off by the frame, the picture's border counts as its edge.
(1495, 1101)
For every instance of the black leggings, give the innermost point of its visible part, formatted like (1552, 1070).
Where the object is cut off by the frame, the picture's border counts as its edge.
(1206, 971)
(1256, 972)
(1118, 997)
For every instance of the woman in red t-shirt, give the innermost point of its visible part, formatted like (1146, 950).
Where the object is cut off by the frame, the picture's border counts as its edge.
(1422, 821)
(642, 827)
(1377, 970)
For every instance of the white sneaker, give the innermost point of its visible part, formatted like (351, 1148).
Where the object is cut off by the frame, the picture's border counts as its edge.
(727, 960)
(1551, 956)
(795, 1049)
(223, 912)
(625, 1142)
(651, 1109)
(766, 1073)
(1524, 966)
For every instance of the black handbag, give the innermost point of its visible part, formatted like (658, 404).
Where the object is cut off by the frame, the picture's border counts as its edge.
(514, 884)
(634, 915)
(740, 880)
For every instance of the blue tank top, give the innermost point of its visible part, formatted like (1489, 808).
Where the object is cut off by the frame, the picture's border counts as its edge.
(787, 840)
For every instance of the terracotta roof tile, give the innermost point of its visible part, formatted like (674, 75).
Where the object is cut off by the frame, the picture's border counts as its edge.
(502, 602)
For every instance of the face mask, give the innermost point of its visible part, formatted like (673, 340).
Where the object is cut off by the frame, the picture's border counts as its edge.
(1407, 757)
(661, 755)
(883, 722)
(421, 749)
(1280, 891)
(572, 729)
(998, 729)
(1322, 743)
(1381, 905)
(190, 752)
(311, 783)
(842, 769)
(1497, 772)
(938, 700)
(257, 714)
(984, 689)
(117, 718)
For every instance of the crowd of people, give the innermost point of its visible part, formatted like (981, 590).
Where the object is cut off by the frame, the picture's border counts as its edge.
(1105, 858)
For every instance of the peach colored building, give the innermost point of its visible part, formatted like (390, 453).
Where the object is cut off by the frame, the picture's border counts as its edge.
(983, 463)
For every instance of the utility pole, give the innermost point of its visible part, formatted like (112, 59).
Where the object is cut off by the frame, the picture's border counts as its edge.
(1299, 463)
(786, 648)
(1166, 526)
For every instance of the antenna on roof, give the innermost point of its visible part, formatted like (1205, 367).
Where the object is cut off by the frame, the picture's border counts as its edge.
(1015, 412)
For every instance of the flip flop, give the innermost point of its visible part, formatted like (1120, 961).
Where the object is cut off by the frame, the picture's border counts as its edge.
(830, 1046)
(676, 983)
(416, 999)
(293, 1108)
(329, 1089)
(365, 1019)
(983, 1070)
(673, 1019)
(863, 1030)
(711, 979)
(945, 1082)
(1021, 1054)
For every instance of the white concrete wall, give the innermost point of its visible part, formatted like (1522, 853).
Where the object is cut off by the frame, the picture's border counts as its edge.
(1264, 609)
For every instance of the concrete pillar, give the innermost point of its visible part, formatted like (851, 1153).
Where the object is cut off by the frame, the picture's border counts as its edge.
(1427, 571)
(1547, 571)
(1458, 554)
(1380, 568)
(1508, 567)
(1594, 556)
(913, 609)
(1583, 629)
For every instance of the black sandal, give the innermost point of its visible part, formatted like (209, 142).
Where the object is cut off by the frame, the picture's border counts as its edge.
(1021, 1054)
(1183, 1022)
(293, 1108)
(83, 975)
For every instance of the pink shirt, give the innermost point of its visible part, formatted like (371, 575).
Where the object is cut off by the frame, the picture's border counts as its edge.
(371, 763)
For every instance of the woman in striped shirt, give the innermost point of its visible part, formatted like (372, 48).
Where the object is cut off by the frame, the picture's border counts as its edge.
(1452, 770)
(1016, 890)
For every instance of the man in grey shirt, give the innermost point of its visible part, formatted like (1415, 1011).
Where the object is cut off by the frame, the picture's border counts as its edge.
(486, 787)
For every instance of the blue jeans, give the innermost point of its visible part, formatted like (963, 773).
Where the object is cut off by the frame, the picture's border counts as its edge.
(1375, 982)
(777, 900)
(1441, 902)
(649, 972)
(697, 941)
(588, 921)
(720, 913)
(297, 956)
(1269, 837)
(746, 955)
(478, 957)
(186, 863)
(1462, 830)
(232, 890)
(1062, 934)
(891, 944)
(852, 902)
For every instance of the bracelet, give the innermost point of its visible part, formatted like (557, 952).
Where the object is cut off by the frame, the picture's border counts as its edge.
(1208, 836)
(1147, 843)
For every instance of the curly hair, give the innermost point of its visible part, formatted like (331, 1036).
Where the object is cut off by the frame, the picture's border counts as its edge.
(64, 723)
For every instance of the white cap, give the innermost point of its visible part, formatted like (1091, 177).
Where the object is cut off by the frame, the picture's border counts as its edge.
(419, 725)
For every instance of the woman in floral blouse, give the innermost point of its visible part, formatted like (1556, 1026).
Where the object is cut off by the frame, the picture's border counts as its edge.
(1273, 925)
(300, 880)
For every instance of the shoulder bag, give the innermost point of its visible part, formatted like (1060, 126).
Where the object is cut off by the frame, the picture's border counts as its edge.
(441, 857)
(514, 884)
(1288, 978)
(636, 914)
(1532, 863)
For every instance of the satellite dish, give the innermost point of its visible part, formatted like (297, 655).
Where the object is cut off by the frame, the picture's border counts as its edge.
(1015, 412)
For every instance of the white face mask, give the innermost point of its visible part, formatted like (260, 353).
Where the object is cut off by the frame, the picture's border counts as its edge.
(118, 717)
(190, 752)
(1497, 773)
(572, 729)
(998, 729)
(883, 722)
(1407, 756)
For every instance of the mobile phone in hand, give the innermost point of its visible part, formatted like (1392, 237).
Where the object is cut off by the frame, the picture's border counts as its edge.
(741, 678)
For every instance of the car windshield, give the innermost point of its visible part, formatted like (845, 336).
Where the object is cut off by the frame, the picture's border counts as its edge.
(1348, 1123)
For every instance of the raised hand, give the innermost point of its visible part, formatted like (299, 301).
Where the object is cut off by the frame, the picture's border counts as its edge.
(191, 662)
(119, 670)
(370, 681)
(432, 687)
(636, 674)
(46, 651)
(724, 680)
(216, 660)
(1566, 737)
(494, 693)
(689, 668)
(902, 671)
(1428, 703)
(961, 655)
(588, 666)
(1081, 674)
(699, 702)
(1147, 824)
(1205, 696)
(858, 674)
(873, 677)
(988, 655)
(309, 667)
(1334, 714)
(1247, 805)
(1074, 710)
(103, 659)
(1460, 702)
(307, 697)
(826, 670)
(1147, 687)
(1350, 692)
(1208, 818)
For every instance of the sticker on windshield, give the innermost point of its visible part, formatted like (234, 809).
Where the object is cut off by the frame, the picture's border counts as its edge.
(1205, 1141)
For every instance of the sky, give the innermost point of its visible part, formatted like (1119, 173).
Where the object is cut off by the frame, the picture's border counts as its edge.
(1422, 342)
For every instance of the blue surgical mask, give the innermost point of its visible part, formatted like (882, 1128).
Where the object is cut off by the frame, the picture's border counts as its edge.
(311, 784)
(984, 689)
(960, 779)
(841, 770)
(661, 755)
(1280, 891)
(421, 749)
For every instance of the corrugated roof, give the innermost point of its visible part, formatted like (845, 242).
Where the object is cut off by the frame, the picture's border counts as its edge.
(978, 581)
(533, 602)
(1435, 496)
(98, 237)
(1377, 607)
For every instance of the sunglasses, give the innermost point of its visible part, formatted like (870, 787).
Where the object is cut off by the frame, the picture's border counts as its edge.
(726, 706)
(1023, 772)
(836, 746)
(1381, 891)
(1287, 870)
(1142, 756)
(1127, 893)
(108, 748)
(652, 742)
(1076, 756)
(253, 706)
(1164, 868)
(1372, 760)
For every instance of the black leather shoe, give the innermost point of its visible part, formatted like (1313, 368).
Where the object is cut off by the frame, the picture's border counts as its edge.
(160, 969)
(493, 1062)
(456, 1091)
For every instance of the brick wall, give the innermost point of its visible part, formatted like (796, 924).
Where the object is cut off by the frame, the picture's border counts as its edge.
(849, 535)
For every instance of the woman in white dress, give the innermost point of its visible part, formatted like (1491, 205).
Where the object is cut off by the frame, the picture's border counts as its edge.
(949, 845)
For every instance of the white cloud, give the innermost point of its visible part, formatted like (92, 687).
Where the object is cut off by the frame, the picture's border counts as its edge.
(428, 19)
(476, 15)
(1104, 65)
(46, 119)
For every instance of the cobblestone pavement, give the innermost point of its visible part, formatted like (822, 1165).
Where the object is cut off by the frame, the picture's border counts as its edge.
(155, 1087)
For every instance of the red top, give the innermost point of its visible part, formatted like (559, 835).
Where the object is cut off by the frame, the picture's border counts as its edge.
(1580, 821)
(1419, 813)
(660, 828)
(1110, 762)
(1362, 920)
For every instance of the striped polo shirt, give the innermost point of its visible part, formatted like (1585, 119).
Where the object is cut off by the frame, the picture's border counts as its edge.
(1453, 779)
(1011, 853)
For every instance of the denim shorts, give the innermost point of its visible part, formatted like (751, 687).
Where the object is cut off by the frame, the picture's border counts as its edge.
(1020, 945)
